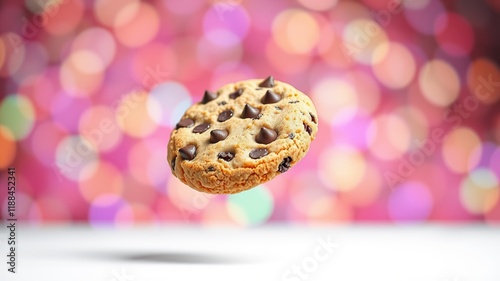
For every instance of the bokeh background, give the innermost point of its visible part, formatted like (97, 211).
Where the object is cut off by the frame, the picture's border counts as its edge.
(407, 95)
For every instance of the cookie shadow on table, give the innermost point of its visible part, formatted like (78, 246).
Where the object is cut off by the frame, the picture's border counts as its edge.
(173, 257)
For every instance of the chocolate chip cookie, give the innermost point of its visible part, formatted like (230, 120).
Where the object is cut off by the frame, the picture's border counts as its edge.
(244, 134)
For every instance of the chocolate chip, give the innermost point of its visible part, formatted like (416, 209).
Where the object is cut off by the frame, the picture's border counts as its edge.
(250, 112)
(294, 101)
(185, 123)
(266, 136)
(285, 164)
(226, 156)
(222, 103)
(308, 129)
(258, 153)
(172, 163)
(236, 94)
(208, 96)
(201, 128)
(211, 169)
(278, 108)
(270, 97)
(188, 152)
(218, 135)
(313, 118)
(225, 115)
(267, 83)
(291, 136)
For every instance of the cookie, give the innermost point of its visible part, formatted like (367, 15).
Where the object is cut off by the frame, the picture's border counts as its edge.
(243, 135)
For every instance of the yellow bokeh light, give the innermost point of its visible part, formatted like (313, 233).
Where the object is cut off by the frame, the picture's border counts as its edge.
(397, 68)
(77, 82)
(87, 62)
(479, 192)
(105, 50)
(9, 147)
(342, 167)
(439, 83)
(296, 31)
(458, 147)
(132, 115)
(365, 41)
(367, 190)
(332, 96)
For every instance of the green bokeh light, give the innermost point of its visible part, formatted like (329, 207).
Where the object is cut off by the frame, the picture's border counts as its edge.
(483, 178)
(251, 207)
(17, 114)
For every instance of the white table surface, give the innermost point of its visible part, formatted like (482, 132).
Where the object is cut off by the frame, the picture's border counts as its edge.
(186, 252)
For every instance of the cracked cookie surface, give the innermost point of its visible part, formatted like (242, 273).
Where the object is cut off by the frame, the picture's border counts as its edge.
(243, 135)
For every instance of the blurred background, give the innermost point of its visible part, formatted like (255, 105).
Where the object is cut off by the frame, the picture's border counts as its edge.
(407, 95)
